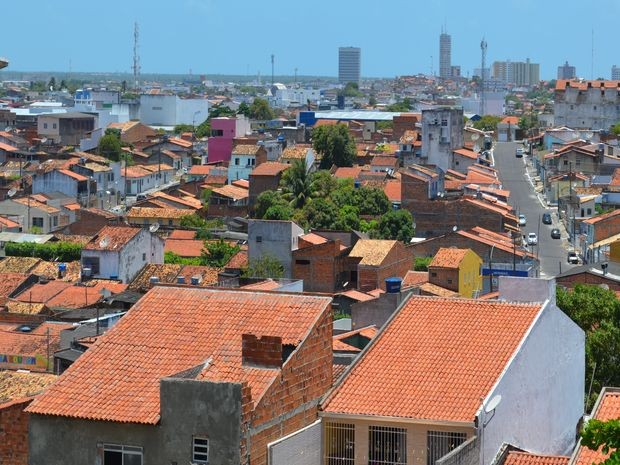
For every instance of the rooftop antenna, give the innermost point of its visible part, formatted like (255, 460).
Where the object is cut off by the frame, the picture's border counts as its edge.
(154, 227)
(483, 51)
(432, 72)
(136, 56)
(11, 192)
(592, 61)
(295, 76)
(272, 67)
(103, 243)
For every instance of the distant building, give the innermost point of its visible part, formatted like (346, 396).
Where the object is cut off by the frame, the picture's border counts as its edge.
(170, 110)
(445, 56)
(615, 73)
(586, 104)
(65, 128)
(223, 131)
(567, 71)
(517, 72)
(349, 64)
(442, 133)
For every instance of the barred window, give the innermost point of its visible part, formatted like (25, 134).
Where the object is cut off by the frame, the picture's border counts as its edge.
(339, 444)
(439, 443)
(387, 445)
(200, 450)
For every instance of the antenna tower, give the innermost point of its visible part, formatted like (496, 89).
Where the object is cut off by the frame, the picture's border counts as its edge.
(136, 57)
(483, 50)
(272, 67)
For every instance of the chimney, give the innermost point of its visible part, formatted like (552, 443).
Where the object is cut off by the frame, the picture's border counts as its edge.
(264, 352)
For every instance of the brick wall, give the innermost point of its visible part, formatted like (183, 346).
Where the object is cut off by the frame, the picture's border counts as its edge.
(586, 278)
(260, 184)
(607, 228)
(403, 123)
(412, 190)
(222, 210)
(292, 400)
(320, 266)
(397, 262)
(444, 277)
(87, 223)
(265, 351)
(14, 432)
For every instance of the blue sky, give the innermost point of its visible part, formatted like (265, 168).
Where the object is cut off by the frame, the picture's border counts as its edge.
(237, 36)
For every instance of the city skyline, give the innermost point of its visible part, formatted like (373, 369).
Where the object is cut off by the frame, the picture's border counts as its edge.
(189, 37)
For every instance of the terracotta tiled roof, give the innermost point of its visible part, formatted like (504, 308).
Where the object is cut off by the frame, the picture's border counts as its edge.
(596, 219)
(347, 172)
(607, 408)
(208, 275)
(207, 326)
(337, 371)
(35, 204)
(18, 264)
(341, 346)
(166, 273)
(392, 189)
(75, 176)
(192, 203)
(357, 295)
(414, 278)
(245, 149)
(294, 152)
(15, 342)
(339, 340)
(467, 153)
(181, 143)
(371, 251)
(314, 239)
(266, 285)
(158, 213)
(6, 223)
(49, 270)
(239, 260)
(243, 183)
(379, 160)
(200, 170)
(15, 306)
(525, 458)
(184, 247)
(435, 290)
(9, 282)
(448, 257)
(112, 238)
(16, 385)
(512, 120)
(83, 296)
(181, 234)
(563, 84)
(269, 168)
(448, 354)
(232, 192)
(41, 293)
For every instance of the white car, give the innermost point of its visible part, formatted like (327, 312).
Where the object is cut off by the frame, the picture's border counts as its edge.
(532, 239)
(522, 220)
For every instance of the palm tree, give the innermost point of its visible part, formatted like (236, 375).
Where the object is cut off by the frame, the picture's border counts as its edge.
(296, 183)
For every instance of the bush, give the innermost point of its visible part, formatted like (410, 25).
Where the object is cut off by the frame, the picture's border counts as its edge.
(421, 263)
(51, 251)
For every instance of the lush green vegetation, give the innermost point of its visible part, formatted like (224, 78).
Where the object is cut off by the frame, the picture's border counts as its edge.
(487, 123)
(335, 144)
(403, 106)
(50, 251)
(422, 263)
(603, 435)
(597, 312)
(215, 254)
(264, 267)
(174, 259)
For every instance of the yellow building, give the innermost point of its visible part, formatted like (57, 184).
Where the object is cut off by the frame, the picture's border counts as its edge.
(457, 270)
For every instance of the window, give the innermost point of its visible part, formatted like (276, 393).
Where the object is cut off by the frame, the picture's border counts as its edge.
(449, 281)
(92, 263)
(143, 257)
(54, 124)
(217, 133)
(169, 222)
(594, 107)
(121, 455)
(37, 222)
(302, 262)
(433, 274)
(236, 161)
(439, 443)
(444, 122)
(157, 108)
(572, 107)
(589, 211)
(339, 444)
(200, 450)
(44, 125)
(387, 445)
(55, 221)
(259, 238)
(565, 162)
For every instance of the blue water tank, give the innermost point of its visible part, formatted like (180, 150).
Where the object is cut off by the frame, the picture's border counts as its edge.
(357, 184)
(62, 267)
(392, 285)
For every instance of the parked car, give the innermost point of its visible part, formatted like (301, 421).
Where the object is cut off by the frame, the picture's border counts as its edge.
(572, 258)
(532, 239)
(546, 218)
(519, 153)
(555, 233)
(522, 220)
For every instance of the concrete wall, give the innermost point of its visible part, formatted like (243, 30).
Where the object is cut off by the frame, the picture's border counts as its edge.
(377, 311)
(442, 132)
(170, 110)
(54, 181)
(302, 447)
(142, 249)
(277, 238)
(591, 108)
(543, 385)
(108, 262)
(189, 408)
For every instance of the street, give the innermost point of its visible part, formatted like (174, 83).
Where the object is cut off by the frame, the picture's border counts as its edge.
(551, 252)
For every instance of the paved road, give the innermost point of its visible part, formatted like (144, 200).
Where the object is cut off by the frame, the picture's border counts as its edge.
(551, 252)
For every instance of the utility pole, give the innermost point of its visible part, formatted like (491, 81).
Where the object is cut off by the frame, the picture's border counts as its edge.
(483, 50)
(272, 67)
(136, 56)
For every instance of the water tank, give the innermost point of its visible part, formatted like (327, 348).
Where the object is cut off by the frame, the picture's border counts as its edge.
(392, 285)
(195, 280)
(357, 184)
(154, 279)
(180, 279)
(62, 267)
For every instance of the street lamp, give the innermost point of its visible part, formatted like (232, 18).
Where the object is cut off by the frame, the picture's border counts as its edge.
(194, 123)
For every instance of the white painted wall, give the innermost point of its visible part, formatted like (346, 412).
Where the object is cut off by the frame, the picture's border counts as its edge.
(542, 388)
(170, 110)
(302, 447)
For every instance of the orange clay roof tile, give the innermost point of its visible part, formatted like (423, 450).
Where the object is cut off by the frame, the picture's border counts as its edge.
(448, 257)
(525, 458)
(435, 360)
(175, 329)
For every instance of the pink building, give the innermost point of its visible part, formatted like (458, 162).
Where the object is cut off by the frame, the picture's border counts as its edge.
(223, 131)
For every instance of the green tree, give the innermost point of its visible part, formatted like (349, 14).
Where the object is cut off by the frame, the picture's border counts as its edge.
(192, 221)
(296, 183)
(615, 129)
(371, 201)
(174, 259)
(403, 106)
(487, 123)
(597, 312)
(266, 266)
(218, 253)
(266, 200)
(260, 110)
(52, 84)
(528, 121)
(603, 435)
(279, 212)
(372, 101)
(396, 224)
(322, 183)
(335, 145)
(348, 218)
(351, 89)
(219, 110)
(320, 213)
(244, 109)
(422, 263)
(110, 145)
(180, 128)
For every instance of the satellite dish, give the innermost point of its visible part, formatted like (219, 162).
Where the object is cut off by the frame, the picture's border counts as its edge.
(105, 293)
(475, 136)
(589, 135)
(477, 148)
(103, 243)
(455, 228)
(493, 403)
(11, 192)
(154, 227)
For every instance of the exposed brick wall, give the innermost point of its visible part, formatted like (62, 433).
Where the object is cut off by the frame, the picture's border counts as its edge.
(219, 210)
(260, 184)
(445, 277)
(87, 223)
(14, 433)
(403, 123)
(412, 190)
(606, 228)
(265, 351)
(305, 377)
(325, 265)
(398, 261)
(586, 278)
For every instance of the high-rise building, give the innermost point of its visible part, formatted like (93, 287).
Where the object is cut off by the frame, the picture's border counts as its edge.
(445, 56)
(517, 72)
(566, 71)
(615, 73)
(349, 64)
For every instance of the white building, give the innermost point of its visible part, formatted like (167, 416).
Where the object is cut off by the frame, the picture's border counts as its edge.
(445, 56)
(277, 239)
(442, 133)
(587, 104)
(120, 252)
(170, 110)
(283, 97)
(349, 64)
